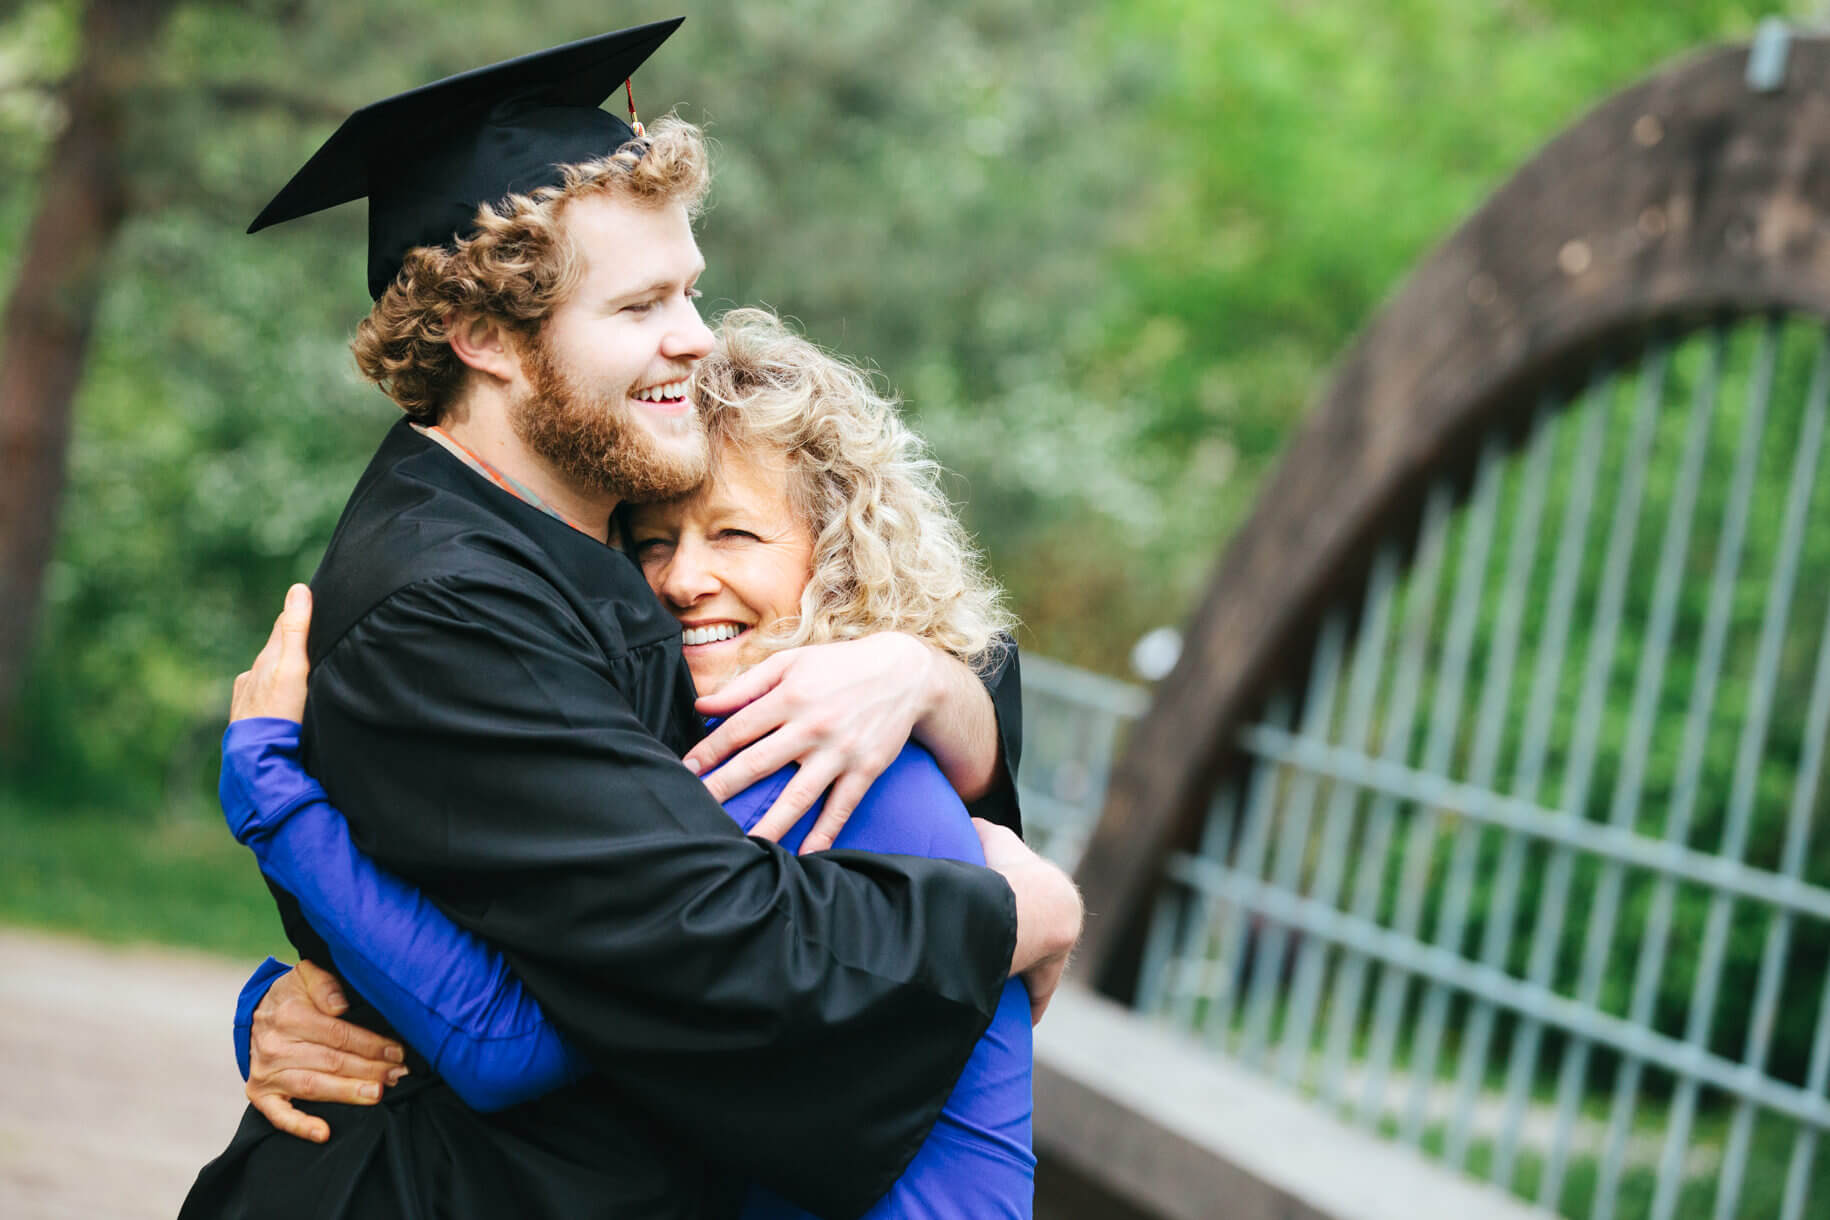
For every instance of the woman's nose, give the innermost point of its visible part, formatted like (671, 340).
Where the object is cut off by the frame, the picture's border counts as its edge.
(688, 579)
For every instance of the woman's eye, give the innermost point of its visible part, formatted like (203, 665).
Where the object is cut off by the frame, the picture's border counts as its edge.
(649, 548)
(639, 307)
(737, 535)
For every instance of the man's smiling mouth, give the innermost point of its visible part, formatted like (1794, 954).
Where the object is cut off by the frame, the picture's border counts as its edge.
(671, 393)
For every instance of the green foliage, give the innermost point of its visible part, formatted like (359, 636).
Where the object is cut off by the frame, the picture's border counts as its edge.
(1303, 157)
(1108, 254)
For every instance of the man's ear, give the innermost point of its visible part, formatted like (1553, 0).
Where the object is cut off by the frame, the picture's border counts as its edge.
(484, 345)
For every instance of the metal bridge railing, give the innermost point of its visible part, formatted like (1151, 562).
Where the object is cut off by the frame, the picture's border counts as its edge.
(1073, 722)
(1524, 876)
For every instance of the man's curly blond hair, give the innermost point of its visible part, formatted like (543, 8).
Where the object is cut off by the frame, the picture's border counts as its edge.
(889, 552)
(516, 269)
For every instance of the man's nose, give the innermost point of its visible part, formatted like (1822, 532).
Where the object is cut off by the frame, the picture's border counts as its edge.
(689, 338)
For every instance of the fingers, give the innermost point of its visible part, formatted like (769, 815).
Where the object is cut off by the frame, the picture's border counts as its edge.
(751, 722)
(278, 1111)
(317, 1072)
(292, 1017)
(1042, 983)
(295, 616)
(306, 1028)
(311, 1084)
(275, 684)
(746, 687)
(837, 811)
(322, 989)
(291, 663)
(795, 799)
(762, 756)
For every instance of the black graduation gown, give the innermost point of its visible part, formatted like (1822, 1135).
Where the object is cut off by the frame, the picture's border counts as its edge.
(498, 705)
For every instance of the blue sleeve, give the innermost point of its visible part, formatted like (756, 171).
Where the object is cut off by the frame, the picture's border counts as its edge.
(977, 1161)
(252, 993)
(911, 810)
(445, 990)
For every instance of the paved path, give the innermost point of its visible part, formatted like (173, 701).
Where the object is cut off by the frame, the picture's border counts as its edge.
(116, 1078)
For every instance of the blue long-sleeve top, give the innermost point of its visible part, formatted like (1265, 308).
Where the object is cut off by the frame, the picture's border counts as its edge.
(453, 997)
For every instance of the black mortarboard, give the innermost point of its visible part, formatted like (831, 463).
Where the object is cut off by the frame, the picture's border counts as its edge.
(428, 157)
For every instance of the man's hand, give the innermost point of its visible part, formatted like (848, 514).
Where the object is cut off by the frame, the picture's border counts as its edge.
(1049, 912)
(275, 684)
(299, 1050)
(842, 710)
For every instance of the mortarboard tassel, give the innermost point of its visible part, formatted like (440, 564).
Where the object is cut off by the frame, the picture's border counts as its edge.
(635, 124)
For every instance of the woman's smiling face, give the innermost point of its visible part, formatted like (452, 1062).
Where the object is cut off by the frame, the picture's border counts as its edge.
(729, 561)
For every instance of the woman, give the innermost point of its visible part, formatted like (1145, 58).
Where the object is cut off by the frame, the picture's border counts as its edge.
(823, 521)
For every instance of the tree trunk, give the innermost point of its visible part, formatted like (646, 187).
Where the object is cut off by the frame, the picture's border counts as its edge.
(44, 334)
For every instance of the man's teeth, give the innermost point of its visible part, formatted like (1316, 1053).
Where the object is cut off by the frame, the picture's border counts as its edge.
(710, 635)
(662, 393)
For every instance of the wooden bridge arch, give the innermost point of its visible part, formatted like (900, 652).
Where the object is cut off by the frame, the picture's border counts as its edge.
(1702, 192)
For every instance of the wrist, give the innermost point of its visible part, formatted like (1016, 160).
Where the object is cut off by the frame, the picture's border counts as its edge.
(935, 684)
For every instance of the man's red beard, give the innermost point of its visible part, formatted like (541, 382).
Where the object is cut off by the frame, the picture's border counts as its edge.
(593, 440)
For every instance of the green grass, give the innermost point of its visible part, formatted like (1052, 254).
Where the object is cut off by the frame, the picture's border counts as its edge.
(172, 877)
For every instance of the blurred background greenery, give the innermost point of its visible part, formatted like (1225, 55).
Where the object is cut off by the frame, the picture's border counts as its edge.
(1106, 252)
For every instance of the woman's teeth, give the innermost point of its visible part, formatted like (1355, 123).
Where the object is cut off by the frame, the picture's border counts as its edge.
(670, 392)
(710, 635)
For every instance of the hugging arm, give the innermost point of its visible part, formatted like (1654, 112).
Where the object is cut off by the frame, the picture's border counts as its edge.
(843, 710)
(441, 987)
(472, 733)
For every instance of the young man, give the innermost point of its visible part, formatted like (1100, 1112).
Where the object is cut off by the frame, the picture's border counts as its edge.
(499, 706)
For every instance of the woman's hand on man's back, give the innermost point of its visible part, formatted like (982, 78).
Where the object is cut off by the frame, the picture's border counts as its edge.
(275, 684)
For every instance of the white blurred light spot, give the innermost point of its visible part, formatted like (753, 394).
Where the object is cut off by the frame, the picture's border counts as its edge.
(1156, 653)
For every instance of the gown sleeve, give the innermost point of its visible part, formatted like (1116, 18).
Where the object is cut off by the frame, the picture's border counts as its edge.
(1004, 682)
(484, 749)
(442, 988)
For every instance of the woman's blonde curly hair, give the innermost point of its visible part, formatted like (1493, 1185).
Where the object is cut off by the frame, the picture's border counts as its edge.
(889, 552)
(515, 269)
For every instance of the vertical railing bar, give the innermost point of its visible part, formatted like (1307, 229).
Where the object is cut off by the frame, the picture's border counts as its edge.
(1099, 767)
(1293, 839)
(1343, 800)
(1249, 860)
(1205, 931)
(1623, 809)
(1597, 673)
(1643, 715)
(1159, 942)
(1717, 617)
(1445, 719)
(1401, 717)
(1804, 1144)
(1747, 772)
(1490, 717)
(1190, 965)
(1779, 932)
(1528, 767)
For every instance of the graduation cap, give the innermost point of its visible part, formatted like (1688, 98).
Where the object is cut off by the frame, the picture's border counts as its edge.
(428, 157)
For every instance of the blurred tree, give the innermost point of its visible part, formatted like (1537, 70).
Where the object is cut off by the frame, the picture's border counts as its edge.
(50, 313)
(1107, 254)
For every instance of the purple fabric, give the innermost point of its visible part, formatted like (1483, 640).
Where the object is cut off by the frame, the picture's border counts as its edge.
(455, 1000)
